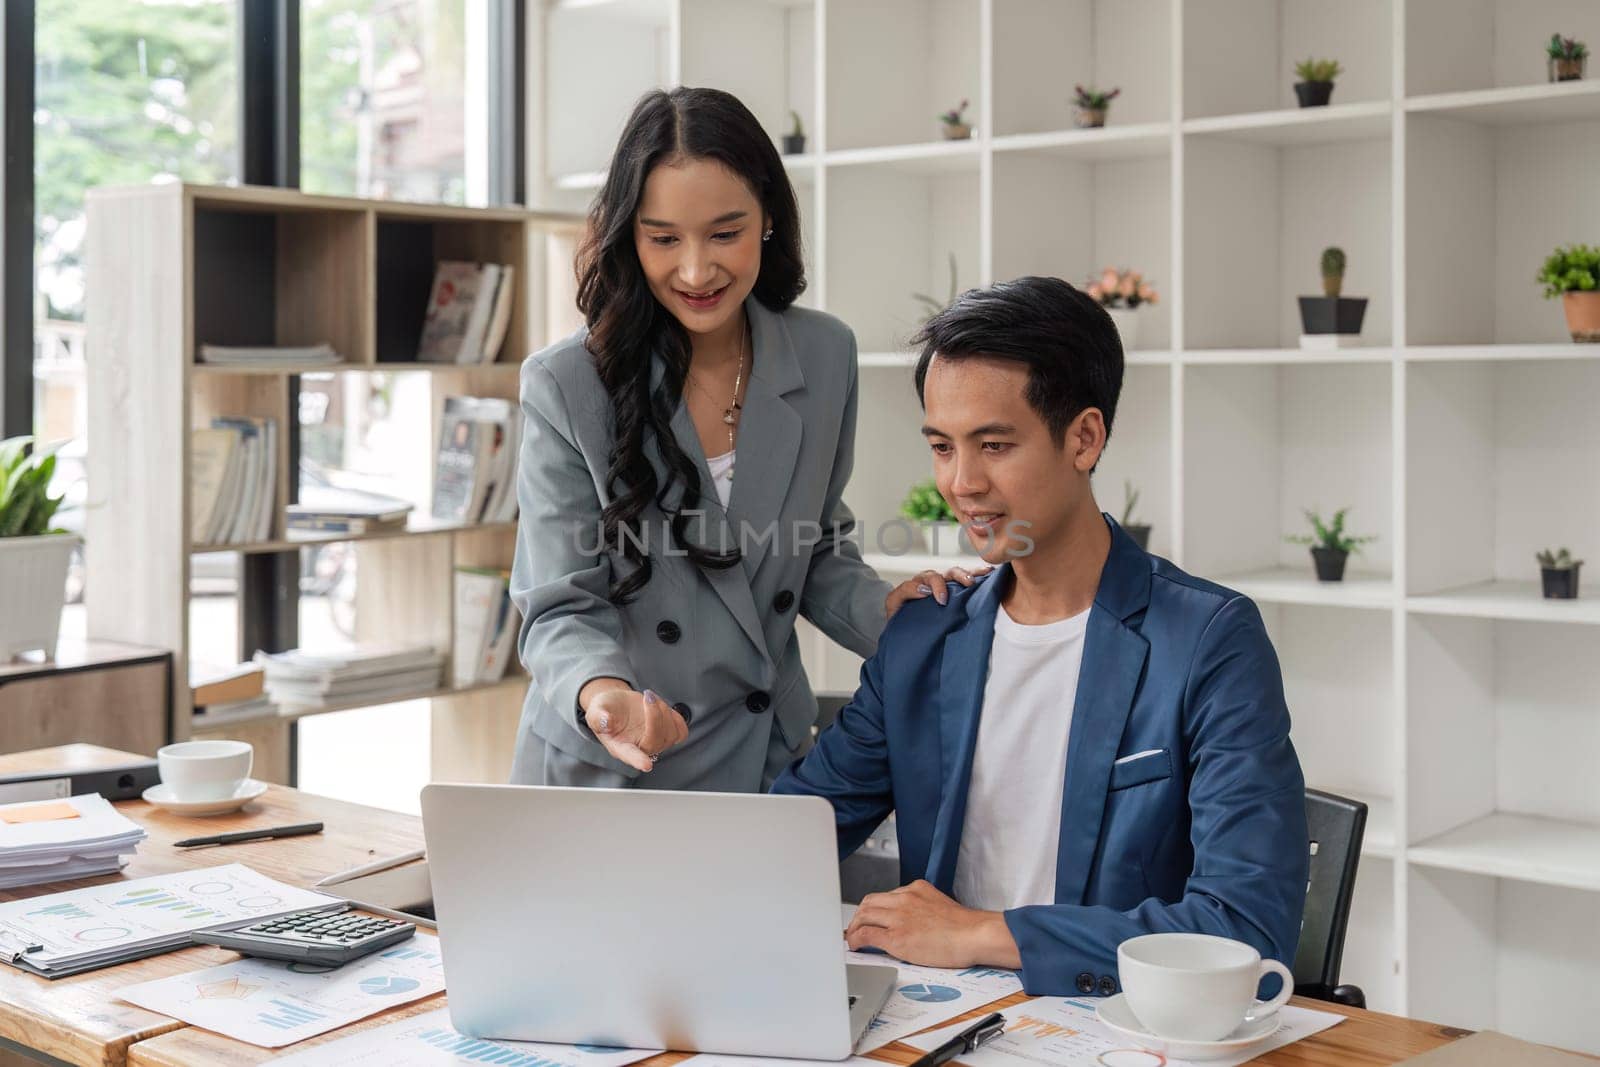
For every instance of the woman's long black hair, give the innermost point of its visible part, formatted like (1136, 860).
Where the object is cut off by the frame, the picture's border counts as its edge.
(627, 324)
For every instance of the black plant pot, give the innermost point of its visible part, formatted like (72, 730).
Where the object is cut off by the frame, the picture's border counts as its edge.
(1140, 535)
(1330, 563)
(1332, 314)
(1313, 94)
(1560, 584)
(794, 144)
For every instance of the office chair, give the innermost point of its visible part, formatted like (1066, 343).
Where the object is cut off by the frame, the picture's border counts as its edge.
(1335, 826)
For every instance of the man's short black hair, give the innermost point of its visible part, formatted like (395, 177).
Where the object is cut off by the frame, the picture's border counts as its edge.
(1066, 339)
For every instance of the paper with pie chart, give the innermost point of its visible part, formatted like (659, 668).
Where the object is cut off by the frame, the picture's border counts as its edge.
(137, 916)
(272, 1003)
(926, 996)
(428, 1040)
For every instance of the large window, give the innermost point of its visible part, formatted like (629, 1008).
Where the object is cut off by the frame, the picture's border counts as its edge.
(385, 105)
(125, 91)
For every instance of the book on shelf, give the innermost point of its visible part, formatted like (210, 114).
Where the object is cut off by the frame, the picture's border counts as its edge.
(219, 684)
(325, 510)
(237, 355)
(469, 309)
(366, 673)
(233, 480)
(474, 477)
(485, 625)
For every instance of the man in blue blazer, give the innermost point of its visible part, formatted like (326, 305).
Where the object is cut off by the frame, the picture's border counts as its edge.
(1089, 744)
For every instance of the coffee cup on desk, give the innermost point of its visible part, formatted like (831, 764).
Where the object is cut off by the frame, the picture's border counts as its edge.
(197, 771)
(1196, 987)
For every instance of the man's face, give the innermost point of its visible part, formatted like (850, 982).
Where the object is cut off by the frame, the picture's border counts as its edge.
(995, 463)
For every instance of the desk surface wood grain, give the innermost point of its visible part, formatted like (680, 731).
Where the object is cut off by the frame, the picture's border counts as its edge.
(78, 1019)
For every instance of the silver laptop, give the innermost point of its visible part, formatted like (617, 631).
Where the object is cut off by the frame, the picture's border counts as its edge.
(702, 922)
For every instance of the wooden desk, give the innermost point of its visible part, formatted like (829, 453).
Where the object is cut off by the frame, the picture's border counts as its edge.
(78, 1021)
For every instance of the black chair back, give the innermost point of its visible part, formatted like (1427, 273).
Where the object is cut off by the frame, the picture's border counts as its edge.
(1335, 827)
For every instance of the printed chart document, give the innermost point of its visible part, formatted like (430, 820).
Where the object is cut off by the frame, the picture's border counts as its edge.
(926, 996)
(713, 1060)
(127, 920)
(274, 1003)
(430, 1041)
(1065, 1033)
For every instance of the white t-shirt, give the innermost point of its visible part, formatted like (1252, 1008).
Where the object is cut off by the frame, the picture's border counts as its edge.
(722, 475)
(1012, 829)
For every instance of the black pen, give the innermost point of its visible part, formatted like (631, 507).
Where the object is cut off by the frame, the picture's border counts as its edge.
(971, 1039)
(251, 835)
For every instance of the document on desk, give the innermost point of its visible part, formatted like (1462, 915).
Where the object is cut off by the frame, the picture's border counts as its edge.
(926, 996)
(272, 1003)
(65, 933)
(708, 1059)
(430, 1041)
(1064, 1032)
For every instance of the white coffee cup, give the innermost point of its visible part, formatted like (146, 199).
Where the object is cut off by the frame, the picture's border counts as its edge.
(1196, 987)
(198, 771)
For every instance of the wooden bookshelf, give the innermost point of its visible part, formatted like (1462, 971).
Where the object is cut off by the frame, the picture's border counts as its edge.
(178, 266)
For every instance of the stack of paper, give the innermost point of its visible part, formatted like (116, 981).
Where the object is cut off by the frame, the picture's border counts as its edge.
(235, 355)
(65, 933)
(369, 674)
(333, 510)
(59, 839)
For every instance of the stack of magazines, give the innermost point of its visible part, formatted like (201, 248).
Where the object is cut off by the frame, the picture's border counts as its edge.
(364, 674)
(53, 840)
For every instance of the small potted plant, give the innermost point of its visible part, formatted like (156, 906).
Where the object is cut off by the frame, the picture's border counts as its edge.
(1092, 105)
(925, 506)
(1330, 545)
(1567, 58)
(1315, 87)
(1140, 532)
(33, 556)
(1559, 574)
(1122, 293)
(1332, 313)
(1572, 272)
(794, 142)
(955, 123)
(934, 306)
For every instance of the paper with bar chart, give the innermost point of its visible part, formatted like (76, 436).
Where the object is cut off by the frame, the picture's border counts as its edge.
(127, 919)
(1064, 1032)
(272, 1003)
(926, 996)
(430, 1041)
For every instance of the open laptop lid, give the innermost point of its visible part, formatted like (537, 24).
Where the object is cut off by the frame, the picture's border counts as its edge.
(693, 921)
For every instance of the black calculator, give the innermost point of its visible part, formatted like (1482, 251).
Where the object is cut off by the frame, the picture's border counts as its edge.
(329, 937)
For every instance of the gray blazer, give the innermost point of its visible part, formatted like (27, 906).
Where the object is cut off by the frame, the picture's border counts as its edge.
(720, 645)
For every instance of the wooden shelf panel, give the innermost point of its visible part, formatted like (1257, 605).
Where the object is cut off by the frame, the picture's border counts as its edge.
(1300, 126)
(1297, 585)
(419, 527)
(1136, 141)
(1506, 600)
(1574, 101)
(1524, 847)
(296, 711)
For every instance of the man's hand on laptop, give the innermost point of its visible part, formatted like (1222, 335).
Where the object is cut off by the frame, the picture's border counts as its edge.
(634, 727)
(918, 924)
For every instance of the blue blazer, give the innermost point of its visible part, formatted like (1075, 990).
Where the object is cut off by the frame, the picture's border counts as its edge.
(1206, 834)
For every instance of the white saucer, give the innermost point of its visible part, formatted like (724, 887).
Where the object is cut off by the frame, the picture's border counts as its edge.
(1115, 1013)
(161, 796)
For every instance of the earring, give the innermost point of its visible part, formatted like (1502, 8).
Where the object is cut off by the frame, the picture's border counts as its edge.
(767, 236)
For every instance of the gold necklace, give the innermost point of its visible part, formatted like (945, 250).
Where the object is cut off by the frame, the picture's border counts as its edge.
(730, 415)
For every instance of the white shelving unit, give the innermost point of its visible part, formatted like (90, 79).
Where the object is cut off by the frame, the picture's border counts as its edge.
(1434, 683)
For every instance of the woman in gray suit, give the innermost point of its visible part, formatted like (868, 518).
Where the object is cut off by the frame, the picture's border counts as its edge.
(681, 475)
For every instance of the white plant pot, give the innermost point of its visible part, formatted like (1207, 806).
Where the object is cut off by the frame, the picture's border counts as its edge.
(1127, 323)
(33, 588)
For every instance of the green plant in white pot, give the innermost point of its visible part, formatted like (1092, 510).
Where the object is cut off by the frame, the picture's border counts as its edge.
(925, 506)
(33, 555)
